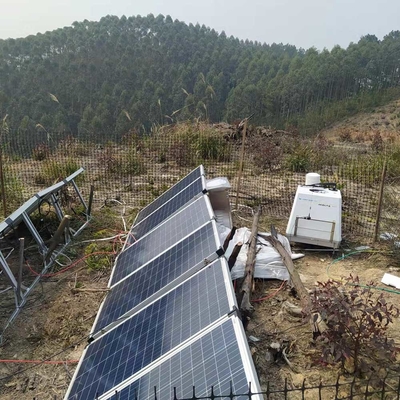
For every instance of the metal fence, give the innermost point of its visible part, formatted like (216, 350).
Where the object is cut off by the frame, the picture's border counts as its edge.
(387, 389)
(134, 169)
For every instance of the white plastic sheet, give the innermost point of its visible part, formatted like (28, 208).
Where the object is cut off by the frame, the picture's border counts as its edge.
(269, 264)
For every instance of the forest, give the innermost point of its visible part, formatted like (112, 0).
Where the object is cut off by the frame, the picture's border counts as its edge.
(102, 79)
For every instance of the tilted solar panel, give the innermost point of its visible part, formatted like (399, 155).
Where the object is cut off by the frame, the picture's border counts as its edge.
(160, 239)
(171, 192)
(163, 325)
(194, 250)
(168, 208)
(215, 359)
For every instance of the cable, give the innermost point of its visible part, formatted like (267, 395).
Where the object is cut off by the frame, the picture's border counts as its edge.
(43, 361)
(69, 266)
(271, 295)
(354, 284)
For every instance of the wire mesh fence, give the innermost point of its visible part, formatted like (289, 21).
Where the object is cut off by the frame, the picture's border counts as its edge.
(136, 168)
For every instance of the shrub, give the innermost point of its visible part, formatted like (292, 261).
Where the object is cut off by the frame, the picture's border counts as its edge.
(53, 170)
(13, 191)
(99, 258)
(356, 321)
(267, 154)
(377, 142)
(300, 158)
(41, 152)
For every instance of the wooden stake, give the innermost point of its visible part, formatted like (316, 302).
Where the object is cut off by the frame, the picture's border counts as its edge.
(229, 238)
(21, 264)
(245, 295)
(241, 163)
(296, 281)
(234, 255)
(380, 200)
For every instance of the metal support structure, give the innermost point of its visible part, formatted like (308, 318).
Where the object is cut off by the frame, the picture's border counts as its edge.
(57, 246)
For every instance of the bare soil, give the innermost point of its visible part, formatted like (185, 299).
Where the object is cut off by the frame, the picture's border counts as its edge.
(55, 322)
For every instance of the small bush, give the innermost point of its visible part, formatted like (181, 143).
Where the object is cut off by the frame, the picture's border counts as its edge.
(99, 258)
(13, 191)
(41, 152)
(356, 320)
(55, 170)
(377, 142)
(345, 135)
(300, 158)
(71, 146)
(267, 154)
(210, 146)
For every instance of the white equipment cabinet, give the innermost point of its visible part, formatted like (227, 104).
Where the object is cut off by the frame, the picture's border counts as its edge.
(316, 216)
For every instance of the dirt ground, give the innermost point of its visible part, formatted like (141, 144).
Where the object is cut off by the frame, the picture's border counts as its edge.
(55, 322)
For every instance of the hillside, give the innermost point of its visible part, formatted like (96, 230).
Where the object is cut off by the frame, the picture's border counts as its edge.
(98, 80)
(362, 127)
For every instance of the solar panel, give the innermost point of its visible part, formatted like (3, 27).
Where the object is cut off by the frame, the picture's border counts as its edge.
(173, 264)
(171, 192)
(168, 208)
(214, 359)
(160, 239)
(154, 331)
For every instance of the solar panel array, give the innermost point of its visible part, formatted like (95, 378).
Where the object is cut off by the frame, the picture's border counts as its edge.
(168, 318)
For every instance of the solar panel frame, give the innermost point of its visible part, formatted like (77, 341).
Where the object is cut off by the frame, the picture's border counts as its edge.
(141, 251)
(133, 322)
(147, 274)
(173, 205)
(233, 323)
(168, 194)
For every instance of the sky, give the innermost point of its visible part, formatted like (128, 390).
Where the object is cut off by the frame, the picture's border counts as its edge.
(303, 23)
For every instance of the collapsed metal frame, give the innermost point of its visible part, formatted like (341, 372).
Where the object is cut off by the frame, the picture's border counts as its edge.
(50, 195)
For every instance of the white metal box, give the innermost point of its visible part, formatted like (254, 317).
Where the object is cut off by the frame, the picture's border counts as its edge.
(316, 216)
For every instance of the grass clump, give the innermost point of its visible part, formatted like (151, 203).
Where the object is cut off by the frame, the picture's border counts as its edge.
(55, 170)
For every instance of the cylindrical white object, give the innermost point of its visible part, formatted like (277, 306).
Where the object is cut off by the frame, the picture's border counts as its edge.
(313, 178)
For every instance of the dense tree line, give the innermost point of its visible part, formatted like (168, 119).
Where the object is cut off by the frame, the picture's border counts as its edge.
(100, 79)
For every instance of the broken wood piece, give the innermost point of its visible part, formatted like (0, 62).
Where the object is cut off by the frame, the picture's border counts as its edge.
(245, 294)
(295, 278)
(231, 234)
(56, 239)
(234, 255)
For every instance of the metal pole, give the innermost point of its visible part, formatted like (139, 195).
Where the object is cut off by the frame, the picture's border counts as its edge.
(3, 189)
(241, 163)
(89, 208)
(21, 264)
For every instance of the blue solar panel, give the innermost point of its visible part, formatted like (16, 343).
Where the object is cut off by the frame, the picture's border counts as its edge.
(213, 360)
(160, 239)
(171, 192)
(157, 274)
(146, 336)
(168, 209)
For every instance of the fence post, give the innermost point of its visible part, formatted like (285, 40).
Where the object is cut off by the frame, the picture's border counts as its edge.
(380, 199)
(3, 186)
(241, 163)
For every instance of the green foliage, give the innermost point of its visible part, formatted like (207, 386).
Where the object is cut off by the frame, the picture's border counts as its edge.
(300, 157)
(53, 170)
(356, 319)
(99, 257)
(13, 190)
(124, 73)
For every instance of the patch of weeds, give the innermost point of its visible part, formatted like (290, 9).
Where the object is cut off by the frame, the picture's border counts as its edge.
(41, 152)
(99, 257)
(53, 170)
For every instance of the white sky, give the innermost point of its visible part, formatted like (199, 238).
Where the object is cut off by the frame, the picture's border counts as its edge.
(304, 23)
